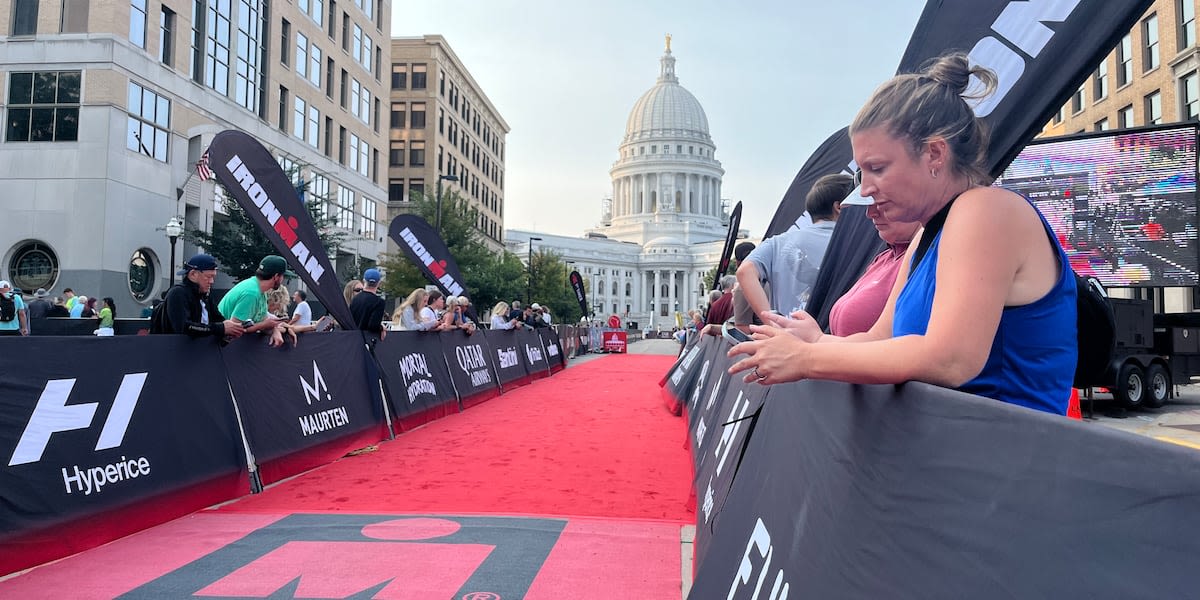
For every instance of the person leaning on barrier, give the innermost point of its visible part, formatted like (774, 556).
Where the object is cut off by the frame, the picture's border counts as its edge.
(431, 314)
(502, 318)
(189, 309)
(990, 306)
(407, 316)
(247, 301)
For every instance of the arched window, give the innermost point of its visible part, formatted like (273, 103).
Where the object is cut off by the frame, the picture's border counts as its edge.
(614, 288)
(666, 291)
(628, 289)
(600, 288)
(141, 274)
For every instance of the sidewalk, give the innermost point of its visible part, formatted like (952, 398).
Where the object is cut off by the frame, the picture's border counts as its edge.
(1178, 422)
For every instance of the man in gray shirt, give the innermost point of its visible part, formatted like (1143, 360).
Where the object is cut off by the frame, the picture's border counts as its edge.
(789, 262)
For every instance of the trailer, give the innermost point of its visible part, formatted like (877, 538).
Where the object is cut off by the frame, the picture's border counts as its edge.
(1154, 353)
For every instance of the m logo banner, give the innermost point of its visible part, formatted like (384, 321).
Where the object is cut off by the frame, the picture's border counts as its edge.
(100, 427)
(426, 249)
(252, 176)
(296, 398)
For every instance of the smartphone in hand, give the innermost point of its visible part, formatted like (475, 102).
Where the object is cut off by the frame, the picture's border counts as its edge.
(733, 335)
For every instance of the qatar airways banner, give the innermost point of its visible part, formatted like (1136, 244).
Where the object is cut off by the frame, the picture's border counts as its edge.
(425, 248)
(253, 177)
(1040, 51)
(472, 366)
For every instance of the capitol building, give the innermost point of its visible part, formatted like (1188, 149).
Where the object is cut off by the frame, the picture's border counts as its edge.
(662, 230)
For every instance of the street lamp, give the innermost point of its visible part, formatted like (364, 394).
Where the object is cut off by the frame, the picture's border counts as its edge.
(438, 226)
(174, 229)
(529, 275)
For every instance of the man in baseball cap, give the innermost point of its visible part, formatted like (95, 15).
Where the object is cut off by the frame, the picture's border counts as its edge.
(189, 309)
(14, 318)
(247, 301)
(367, 308)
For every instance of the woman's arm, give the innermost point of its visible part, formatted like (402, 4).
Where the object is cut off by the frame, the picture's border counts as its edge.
(983, 245)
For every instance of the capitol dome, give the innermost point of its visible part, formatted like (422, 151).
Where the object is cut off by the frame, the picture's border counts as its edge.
(667, 110)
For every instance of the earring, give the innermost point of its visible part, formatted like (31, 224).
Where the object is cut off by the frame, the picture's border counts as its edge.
(933, 173)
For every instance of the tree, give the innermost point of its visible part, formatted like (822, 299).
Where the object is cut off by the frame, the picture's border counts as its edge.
(238, 244)
(551, 286)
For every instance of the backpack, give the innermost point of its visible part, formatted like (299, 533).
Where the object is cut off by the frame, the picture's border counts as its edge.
(8, 309)
(1095, 326)
(158, 318)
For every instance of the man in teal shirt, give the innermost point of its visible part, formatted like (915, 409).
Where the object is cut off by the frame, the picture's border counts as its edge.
(19, 324)
(247, 301)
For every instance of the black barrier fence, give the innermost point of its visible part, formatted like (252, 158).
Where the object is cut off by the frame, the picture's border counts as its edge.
(506, 348)
(109, 436)
(829, 490)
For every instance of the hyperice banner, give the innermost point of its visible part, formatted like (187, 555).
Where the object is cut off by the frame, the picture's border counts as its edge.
(253, 177)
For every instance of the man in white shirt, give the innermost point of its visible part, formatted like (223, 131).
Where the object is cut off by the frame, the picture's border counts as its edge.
(302, 315)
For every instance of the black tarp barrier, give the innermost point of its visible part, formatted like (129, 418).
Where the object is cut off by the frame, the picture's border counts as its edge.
(139, 430)
(915, 491)
(472, 366)
(534, 353)
(304, 406)
(254, 178)
(508, 354)
(413, 366)
(679, 378)
(555, 353)
(1041, 53)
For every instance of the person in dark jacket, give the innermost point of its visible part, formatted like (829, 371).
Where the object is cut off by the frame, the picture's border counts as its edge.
(188, 307)
(367, 308)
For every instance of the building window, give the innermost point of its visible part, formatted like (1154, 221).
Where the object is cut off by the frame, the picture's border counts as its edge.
(34, 265)
(1058, 116)
(329, 77)
(43, 106)
(250, 81)
(328, 136)
(314, 66)
(314, 126)
(345, 32)
(25, 14)
(416, 153)
(416, 189)
(344, 88)
(1101, 125)
(1191, 96)
(283, 108)
(216, 46)
(301, 55)
(1186, 10)
(418, 115)
(345, 208)
(166, 36)
(315, 9)
(319, 189)
(360, 101)
(399, 76)
(395, 190)
(396, 154)
(285, 42)
(332, 18)
(418, 77)
(1100, 81)
(149, 127)
(299, 110)
(1153, 108)
(137, 23)
(1125, 117)
(75, 16)
(1150, 38)
(342, 145)
(1077, 101)
(1125, 60)
(141, 274)
(367, 7)
(397, 121)
(366, 225)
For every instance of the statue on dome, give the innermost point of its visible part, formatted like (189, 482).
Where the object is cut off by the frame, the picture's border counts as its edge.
(668, 42)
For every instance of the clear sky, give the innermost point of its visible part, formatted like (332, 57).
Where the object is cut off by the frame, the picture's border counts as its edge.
(775, 78)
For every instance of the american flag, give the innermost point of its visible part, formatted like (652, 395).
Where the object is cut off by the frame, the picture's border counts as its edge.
(202, 169)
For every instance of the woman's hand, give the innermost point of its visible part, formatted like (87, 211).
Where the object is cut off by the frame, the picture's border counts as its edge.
(775, 356)
(801, 325)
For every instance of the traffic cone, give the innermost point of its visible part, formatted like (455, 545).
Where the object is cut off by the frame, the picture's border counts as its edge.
(1073, 406)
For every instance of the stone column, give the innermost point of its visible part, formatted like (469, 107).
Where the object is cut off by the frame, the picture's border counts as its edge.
(657, 305)
(644, 205)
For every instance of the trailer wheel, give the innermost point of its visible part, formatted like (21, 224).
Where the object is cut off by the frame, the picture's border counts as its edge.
(1158, 386)
(1131, 385)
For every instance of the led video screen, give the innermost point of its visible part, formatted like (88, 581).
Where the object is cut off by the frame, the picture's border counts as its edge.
(1123, 205)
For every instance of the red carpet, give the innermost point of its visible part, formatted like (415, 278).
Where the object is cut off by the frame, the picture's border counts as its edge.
(572, 487)
(593, 440)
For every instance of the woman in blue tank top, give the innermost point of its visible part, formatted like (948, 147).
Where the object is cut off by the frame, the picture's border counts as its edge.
(990, 306)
